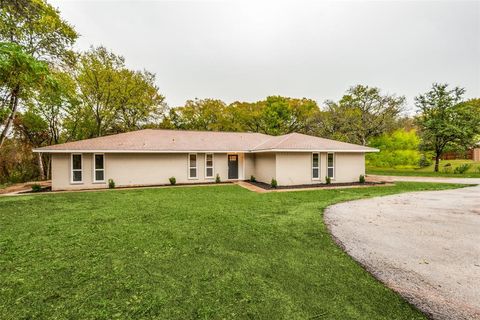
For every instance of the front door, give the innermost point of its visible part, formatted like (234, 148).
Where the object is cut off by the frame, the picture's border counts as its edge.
(233, 166)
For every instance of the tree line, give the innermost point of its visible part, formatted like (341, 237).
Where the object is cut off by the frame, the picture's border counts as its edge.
(51, 94)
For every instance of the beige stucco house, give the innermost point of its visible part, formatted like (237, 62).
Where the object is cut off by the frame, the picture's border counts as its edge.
(151, 157)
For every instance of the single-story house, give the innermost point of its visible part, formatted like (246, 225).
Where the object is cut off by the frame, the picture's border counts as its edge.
(151, 157)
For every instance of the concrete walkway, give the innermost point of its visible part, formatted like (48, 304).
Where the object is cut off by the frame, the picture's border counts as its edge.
(424, 245)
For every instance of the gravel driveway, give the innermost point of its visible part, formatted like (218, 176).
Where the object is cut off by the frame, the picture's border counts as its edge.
(424, 245)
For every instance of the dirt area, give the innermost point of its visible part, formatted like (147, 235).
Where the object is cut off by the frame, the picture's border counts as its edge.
(424, 245)
(25, 186)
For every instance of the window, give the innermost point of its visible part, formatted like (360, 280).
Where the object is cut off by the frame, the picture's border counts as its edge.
(209, 165)
(99, 168)
(331, 165)
(77, 164)
(192, 166)
(315, 166)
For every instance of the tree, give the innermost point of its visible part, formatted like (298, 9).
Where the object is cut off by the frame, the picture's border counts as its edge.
(275, 115)
(38, 29)
(443, 120)
(361, 114)
(399, 148)
(112, 98)
(33, 37)
(20, 74)
(200, 114)
(33, 131)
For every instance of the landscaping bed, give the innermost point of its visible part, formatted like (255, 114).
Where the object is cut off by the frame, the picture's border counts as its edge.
(267, 186)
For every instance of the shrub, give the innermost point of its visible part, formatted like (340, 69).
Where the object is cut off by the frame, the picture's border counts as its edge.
(478, 169)
(36, 187)
(361, 179)
(448, 164)
(274, 184)
(328, 180)
(172, 180)
(424, 161)
(217, 179)
(399, 148)
(111, 184)
(447, 169)
(461, 169)
(252, 178)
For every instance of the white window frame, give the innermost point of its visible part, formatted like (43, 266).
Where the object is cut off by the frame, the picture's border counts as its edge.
(213, 166)
(72, 170)
(333, 166)
(190, 167)
(95, 169)
(318, 166)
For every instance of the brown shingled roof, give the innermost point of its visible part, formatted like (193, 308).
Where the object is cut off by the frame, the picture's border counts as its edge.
(153, 140)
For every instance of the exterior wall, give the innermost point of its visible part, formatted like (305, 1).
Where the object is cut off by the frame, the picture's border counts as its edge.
(296, 168)
(155, 169)
(249, 165)
(265, 167)
(136, 169)
(348, 167)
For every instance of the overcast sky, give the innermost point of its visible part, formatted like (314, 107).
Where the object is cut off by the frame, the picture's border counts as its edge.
(248, 50)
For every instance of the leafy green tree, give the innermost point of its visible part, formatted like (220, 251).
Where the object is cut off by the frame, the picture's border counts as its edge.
(361, 114)
(443, 120)
(33, 131)
(275, 115)
(37, 28)
(33, 37)
(200, 114)
(20, 75)
(112, 98)
(397, 149)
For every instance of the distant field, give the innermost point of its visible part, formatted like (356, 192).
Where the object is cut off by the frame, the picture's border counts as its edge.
(473, 172)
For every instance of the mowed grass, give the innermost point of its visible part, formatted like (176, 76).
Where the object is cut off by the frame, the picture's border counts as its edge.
(219, 252)
(473, 172)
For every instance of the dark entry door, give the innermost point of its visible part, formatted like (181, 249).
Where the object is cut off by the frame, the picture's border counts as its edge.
(233, 166)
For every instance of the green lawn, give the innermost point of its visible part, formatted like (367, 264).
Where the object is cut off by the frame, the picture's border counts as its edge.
(218, 252)
(473, 172)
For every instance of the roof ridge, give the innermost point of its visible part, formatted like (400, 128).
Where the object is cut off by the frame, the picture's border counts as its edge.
(209, 131)
(286, 136)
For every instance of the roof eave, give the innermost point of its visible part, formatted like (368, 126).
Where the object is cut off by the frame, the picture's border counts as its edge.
(196, 151)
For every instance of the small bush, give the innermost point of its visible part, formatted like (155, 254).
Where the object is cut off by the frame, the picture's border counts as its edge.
(36, 187)
(274, 184)
(424, 161)
(111, 184)
(328, 180)
(361, 179)
(217, 179)
(447, 164)
(461, 169)
(172, 180)
(447, 170)
(253, 179)
(478, 169)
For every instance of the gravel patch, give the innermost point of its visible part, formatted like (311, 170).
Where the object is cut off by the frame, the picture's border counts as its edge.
(424, 245)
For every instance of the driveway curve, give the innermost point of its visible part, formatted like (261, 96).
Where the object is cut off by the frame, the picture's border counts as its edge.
(424, 245)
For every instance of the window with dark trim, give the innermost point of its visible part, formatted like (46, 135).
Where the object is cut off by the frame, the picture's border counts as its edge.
(331, 165)
(192, 166)
(209, 165)
(77, 173)
(315, 166)
(99, 168)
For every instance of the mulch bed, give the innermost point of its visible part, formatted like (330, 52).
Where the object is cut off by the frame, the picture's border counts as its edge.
(44, 189)
(49, 189)
(266, 186)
